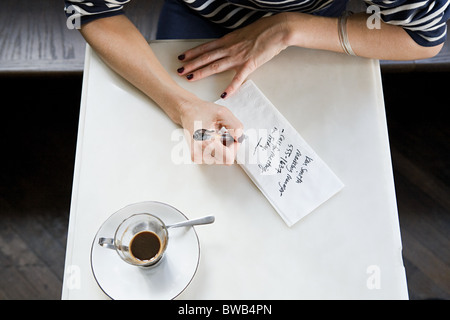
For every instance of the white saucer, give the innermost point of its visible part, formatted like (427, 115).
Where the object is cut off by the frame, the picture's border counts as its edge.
(120, 280)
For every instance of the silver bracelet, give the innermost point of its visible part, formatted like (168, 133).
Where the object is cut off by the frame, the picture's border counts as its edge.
(343, 37)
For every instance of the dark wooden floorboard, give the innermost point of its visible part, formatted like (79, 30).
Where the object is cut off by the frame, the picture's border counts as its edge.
(25, 273)
(419, 134)
(38, 135)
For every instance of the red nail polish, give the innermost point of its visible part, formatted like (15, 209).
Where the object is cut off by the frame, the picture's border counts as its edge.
(190, 76)
(223, 95)
(180, 70)
(181, 57)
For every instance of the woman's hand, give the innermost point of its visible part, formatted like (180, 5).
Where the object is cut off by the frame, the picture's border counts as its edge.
(206, 115)
(243, 50)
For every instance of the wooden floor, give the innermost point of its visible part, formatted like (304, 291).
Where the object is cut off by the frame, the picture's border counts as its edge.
(38, 135)
(40, 68)
(419, 134)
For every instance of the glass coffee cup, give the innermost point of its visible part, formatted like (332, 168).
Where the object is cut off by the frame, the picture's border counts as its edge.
(139, 240)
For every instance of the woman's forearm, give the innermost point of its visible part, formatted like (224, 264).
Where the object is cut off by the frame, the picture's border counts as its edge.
(126, 51)
(388, 42)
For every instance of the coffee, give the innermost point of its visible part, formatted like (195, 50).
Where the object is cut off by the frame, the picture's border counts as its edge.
(145, 245)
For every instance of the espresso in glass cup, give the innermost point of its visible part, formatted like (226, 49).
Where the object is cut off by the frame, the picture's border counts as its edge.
(139, 240)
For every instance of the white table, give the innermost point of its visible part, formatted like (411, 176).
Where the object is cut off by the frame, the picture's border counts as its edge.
(348, 248)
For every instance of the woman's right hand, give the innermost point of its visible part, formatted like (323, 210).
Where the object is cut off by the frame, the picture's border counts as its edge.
(199, 114)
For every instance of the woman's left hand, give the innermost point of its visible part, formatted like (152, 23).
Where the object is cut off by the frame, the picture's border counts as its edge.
(243, 50)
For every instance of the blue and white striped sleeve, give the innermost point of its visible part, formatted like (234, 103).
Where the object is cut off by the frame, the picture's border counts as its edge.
(89, 10)
(424, 20)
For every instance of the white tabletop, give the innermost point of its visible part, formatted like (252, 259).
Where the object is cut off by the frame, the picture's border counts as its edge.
(348, 248)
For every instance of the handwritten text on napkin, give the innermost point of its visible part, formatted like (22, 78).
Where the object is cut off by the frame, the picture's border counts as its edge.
(282, 165)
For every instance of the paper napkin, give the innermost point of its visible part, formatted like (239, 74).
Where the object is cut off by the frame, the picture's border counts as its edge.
(277, 159)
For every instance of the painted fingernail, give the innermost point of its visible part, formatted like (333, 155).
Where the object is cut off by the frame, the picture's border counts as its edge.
(181, 57)
(180, 70)
(223, 95)
(190, 76)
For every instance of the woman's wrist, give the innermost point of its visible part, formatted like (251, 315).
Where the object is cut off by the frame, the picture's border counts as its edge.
(309, 31)
(177, 103)
(389, 42)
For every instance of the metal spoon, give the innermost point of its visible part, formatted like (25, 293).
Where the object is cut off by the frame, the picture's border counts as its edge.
(204, 220)
(225, 137)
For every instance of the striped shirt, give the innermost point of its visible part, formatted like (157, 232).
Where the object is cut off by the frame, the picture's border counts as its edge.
(423, 20)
